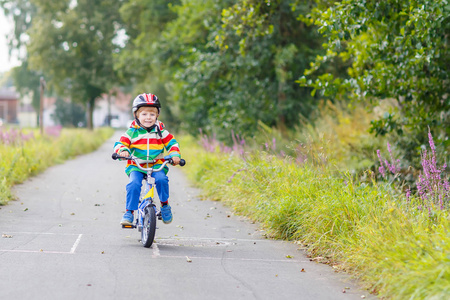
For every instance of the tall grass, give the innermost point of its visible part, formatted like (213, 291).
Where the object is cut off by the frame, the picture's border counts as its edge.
(368, 229)
(27, 153)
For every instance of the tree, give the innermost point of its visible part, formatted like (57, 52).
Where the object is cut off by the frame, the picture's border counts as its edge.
(74, 43)
(28, 82)
(69, 114)
(398, 49)
(25, 80)
(234, 64)
(141, 62)
(22, 12)
(274, 48)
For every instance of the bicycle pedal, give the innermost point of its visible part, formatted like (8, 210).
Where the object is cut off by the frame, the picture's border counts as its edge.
(159, 215)
(128, 226)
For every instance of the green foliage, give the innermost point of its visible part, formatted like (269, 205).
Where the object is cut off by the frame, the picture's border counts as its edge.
(69, 114)
(220, 65)
(73, 43)
(398, 50)
(247, 74)
(365, 229)
(143, 21)
(28, 82)
(144, 61)
(22, 12)
(21, 161)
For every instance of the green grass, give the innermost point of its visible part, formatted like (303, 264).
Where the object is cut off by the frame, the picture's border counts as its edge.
(24, 159)
(365, 229)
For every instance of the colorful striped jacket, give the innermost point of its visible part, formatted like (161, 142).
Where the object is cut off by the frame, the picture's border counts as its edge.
(147, 146)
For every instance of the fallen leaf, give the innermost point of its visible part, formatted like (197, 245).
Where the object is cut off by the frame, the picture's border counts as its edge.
(288, 256)
(25, 209)
(303, 270)
(188, 259)
(7, 236)
(343, 291)
(363, 297)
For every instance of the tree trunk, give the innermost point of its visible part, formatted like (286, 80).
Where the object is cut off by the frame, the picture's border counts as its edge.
(281, 104)
(90, 113)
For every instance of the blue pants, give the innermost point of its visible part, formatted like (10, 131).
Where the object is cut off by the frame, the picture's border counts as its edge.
(135, 185)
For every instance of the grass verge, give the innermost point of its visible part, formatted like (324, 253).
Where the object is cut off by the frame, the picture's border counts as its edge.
(368, 230)
(21, 159)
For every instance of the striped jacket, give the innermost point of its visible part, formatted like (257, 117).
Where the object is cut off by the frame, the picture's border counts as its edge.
(147, 146)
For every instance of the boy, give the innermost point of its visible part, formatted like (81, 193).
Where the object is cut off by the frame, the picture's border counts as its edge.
(146, 139)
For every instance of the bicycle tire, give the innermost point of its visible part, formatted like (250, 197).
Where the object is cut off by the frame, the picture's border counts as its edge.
(149, 227)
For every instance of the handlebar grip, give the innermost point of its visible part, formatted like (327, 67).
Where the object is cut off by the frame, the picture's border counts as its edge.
(116, 156)
(182, 162)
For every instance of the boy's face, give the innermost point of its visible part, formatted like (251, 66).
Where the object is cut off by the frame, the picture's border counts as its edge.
(147, 116)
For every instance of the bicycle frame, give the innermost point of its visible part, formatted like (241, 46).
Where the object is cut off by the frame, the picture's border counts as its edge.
(149, 193)
(146, 200)
(147, 212)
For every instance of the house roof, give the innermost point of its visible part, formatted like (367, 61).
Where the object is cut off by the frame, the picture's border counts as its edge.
(8, 94)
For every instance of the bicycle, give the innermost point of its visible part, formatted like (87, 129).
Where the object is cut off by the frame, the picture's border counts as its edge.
(147, 211)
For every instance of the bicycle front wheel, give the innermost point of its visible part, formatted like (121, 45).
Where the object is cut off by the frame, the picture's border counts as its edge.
(149, 226)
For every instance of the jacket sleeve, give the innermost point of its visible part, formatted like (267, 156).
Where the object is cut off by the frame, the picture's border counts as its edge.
(123, 144)
(169, 141)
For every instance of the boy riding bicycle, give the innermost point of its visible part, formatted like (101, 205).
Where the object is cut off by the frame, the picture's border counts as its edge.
(146, 139)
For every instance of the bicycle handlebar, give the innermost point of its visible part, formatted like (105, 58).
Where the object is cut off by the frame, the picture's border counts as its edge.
(116, 156)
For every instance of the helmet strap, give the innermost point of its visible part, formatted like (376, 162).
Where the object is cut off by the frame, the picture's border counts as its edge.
(146, 128)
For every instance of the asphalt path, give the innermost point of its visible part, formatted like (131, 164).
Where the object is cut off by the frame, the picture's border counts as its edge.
(61, 239)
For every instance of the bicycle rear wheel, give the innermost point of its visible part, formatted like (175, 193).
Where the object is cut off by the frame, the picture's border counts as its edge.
(149, 226)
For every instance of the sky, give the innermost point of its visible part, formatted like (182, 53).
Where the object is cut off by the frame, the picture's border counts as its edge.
(6, 63)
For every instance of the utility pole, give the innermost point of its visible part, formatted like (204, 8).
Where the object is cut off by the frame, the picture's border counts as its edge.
(41, 108)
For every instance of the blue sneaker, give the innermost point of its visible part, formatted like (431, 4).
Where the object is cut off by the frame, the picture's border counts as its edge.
(166, 214)
(127, 219)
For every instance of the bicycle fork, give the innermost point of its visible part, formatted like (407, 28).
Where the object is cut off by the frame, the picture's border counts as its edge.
(147, 200)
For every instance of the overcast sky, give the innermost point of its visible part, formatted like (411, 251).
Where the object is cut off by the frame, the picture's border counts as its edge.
(6, 62)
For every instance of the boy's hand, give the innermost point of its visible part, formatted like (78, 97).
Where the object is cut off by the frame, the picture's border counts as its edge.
(176, 160)
(124, 154)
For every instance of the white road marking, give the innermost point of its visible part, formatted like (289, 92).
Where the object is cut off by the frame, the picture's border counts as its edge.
(40, 233)
(179, 238)
(72, 250)
(35, 251)
(238, 259)
(224, 242)
(155, 250)
(75, 245)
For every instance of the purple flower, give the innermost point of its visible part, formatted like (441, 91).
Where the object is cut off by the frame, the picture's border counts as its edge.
(408, 194)
(431, 187)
